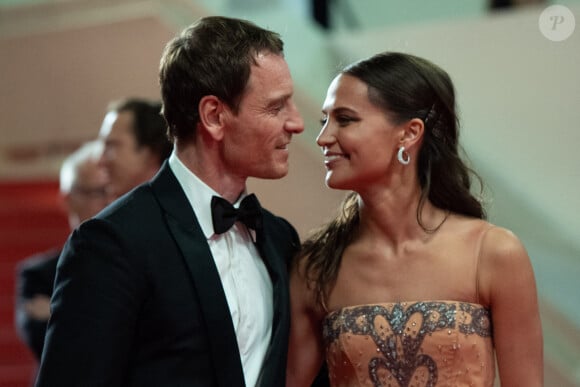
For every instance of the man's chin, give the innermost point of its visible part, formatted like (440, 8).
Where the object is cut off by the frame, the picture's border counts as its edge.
(273, 174)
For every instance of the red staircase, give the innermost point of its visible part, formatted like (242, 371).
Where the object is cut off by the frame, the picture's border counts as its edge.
(31, 220)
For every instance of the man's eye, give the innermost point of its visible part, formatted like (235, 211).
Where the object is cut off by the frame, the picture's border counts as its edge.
(275, 109)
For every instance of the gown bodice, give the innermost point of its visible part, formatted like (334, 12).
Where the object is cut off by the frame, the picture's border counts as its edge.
(424, 343)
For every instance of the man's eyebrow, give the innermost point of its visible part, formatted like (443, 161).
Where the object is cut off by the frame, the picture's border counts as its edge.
(277, 100)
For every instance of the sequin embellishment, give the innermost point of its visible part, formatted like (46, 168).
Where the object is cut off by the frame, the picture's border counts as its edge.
(398, 333)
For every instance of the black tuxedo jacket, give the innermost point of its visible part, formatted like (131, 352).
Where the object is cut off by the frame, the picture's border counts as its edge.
(138, 300)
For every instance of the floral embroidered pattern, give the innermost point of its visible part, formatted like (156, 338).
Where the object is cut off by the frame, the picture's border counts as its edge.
(398, 331)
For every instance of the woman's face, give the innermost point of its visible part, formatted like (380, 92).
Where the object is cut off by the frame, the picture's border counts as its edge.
(357, 138)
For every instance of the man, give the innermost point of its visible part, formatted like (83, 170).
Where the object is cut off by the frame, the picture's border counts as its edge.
(136, 142)
(153, 291)
(83, 184)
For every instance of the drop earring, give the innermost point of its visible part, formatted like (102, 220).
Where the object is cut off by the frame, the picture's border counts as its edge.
(401, 154)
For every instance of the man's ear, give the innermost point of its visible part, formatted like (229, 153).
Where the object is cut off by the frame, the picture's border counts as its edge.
(412, 133)
(64, 201)
(211, 116)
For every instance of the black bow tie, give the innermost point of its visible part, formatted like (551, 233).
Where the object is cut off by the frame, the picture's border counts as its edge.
(224, 215)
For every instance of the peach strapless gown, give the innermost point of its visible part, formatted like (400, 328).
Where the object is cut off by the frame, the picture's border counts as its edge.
(424, 343)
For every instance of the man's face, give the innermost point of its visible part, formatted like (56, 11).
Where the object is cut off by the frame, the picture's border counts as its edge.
(257, 137)
(88, 194)
(127, 163)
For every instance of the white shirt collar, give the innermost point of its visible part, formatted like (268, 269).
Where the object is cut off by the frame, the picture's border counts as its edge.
(198, 194)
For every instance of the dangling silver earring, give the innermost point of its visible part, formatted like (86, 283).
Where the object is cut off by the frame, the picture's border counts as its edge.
(401, 154)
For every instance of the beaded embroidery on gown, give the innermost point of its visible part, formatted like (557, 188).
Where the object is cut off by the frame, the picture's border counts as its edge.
(426, 343)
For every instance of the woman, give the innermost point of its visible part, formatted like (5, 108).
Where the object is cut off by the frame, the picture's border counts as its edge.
(408, 285)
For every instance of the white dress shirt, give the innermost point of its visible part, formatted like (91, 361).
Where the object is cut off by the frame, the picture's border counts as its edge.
(244, 276)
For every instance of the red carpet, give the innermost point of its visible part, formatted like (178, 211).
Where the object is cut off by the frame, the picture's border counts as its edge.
(31, 220)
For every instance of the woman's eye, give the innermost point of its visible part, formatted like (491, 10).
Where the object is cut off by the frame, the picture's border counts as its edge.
(344, 120)
(340, 120)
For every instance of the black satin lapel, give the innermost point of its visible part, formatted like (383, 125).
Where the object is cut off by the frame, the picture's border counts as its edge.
(221, 334)
(276, 355)
(198, 258)
(273, 263)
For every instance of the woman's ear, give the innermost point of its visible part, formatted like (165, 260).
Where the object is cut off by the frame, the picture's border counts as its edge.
(412, 133)
(211, 116)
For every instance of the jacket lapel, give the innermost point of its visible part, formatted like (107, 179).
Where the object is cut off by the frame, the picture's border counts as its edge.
(275, 359)
(188, 235)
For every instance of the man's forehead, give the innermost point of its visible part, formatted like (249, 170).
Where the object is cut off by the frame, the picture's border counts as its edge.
(270, 76)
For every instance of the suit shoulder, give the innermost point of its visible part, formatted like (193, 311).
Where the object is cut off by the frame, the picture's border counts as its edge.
(39, 262)
(275, 220)
(129, 206)
(279, 226)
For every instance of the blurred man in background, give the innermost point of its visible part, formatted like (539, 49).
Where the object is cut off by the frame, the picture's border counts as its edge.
(83, 188)
(136, 143)
(131, 147)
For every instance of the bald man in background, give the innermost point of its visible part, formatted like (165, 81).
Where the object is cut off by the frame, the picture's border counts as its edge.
(83, 189)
